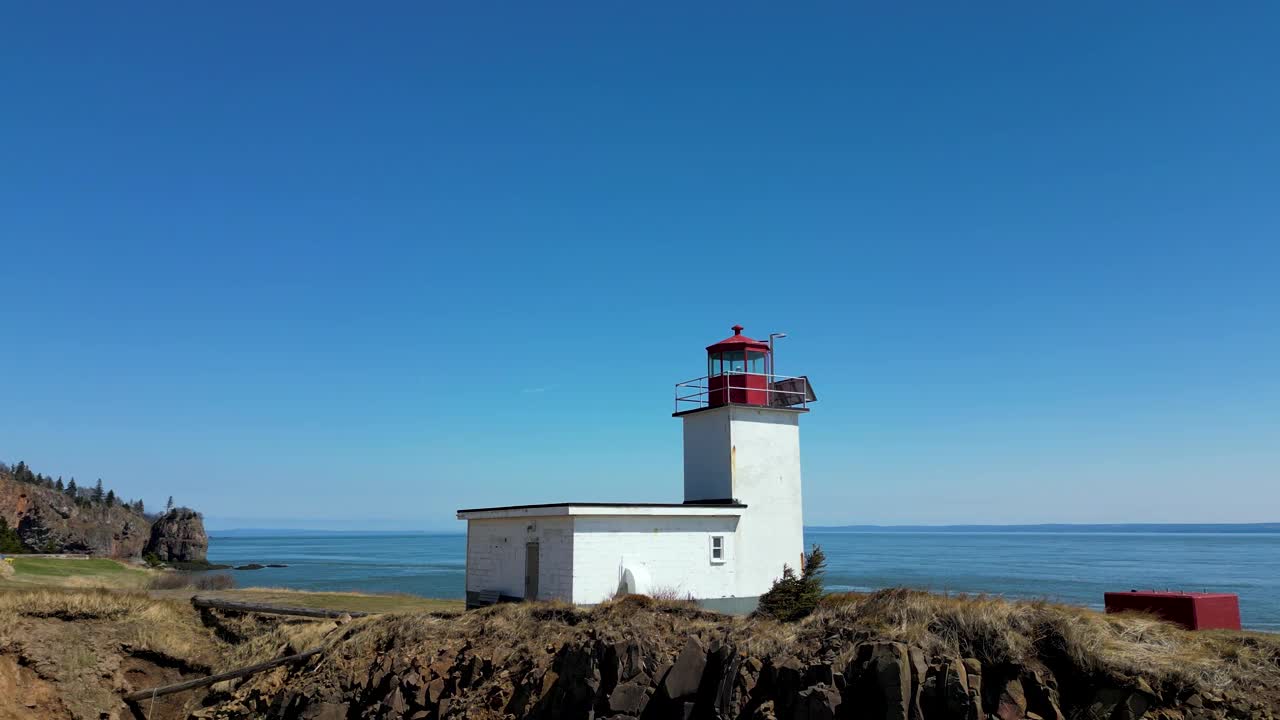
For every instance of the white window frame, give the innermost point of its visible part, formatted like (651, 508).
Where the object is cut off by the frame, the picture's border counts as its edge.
(724, 549)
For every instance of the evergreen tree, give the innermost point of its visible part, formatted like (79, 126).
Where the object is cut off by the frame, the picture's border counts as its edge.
(9, 540)
(111, 498)
(59, 486)
(792, 597)
(97, 491)
(72, 490)
(138, 507)
(169, 505)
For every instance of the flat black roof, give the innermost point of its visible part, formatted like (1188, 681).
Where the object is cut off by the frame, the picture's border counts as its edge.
(730, 503)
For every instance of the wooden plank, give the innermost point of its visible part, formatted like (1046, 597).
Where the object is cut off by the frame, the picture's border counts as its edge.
(237, 606)
(230, 675)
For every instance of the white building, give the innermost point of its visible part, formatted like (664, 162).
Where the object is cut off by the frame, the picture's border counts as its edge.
(740, 522)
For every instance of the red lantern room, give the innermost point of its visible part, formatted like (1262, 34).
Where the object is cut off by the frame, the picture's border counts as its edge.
(738, 371)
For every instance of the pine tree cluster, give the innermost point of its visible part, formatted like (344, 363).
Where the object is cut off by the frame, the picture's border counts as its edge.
(96, 496)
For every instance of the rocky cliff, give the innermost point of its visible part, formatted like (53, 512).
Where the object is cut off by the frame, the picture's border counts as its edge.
(894, 655)
(179, 536)
(47, 520)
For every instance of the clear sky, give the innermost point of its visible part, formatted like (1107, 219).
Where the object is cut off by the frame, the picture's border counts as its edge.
(309, 266)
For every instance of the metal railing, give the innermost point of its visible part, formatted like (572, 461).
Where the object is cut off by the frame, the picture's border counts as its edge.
(777, 391)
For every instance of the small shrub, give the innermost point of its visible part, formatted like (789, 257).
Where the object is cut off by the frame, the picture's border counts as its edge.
(191, 581)
(169, 581)
(152, 560)
(668, 592)
(217, 581)
(794, 597)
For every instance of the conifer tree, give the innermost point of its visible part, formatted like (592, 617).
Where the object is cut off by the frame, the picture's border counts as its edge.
(793, 597)
(169, 505)
(111, 498)
(72, 490)
(59, 486)
(97, 491)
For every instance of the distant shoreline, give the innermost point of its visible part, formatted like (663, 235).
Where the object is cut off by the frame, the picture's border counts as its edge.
(1083, 528)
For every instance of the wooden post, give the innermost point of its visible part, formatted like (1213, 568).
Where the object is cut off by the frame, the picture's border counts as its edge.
(231, 675)
(237, 606)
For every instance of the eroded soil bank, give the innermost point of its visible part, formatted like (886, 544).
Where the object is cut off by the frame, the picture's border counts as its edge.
(893, 654)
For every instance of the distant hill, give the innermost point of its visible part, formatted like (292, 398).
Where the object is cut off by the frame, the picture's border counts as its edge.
(1061, 528)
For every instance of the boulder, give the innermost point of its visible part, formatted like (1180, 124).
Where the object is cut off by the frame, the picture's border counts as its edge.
(820, 702)
(629, 698)
(1012, 701)
(878, 681)
(684, 677)
(179, 536)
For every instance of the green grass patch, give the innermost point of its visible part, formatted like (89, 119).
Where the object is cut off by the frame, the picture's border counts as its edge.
(66, 572)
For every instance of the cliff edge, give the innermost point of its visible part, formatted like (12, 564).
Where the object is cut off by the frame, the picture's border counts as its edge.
(48, 520)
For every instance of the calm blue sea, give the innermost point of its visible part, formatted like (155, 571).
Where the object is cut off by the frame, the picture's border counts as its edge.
(1072, 567)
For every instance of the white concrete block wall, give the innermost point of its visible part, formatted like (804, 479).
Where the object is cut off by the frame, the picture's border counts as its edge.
(496, 555)
(765, 443)
(675, 552)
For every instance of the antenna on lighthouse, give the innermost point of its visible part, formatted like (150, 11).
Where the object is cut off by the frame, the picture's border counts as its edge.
(773, 358)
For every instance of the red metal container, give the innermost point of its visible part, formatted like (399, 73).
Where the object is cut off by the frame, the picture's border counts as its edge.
(1193, 611)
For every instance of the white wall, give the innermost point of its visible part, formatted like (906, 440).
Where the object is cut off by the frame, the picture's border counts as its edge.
(752, 455)
(496, 555)
(708, 471)
(674, 551)
(765, 443)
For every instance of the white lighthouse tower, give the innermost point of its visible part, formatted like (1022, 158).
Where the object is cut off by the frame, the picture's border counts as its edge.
(740, 524)
(743, 444)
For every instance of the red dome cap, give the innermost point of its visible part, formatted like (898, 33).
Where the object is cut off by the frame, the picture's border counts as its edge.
(738, 341)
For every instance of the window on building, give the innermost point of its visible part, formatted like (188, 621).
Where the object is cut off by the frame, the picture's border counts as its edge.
(755, 363)
(717, 548)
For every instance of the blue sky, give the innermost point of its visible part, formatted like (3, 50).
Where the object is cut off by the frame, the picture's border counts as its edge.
(308, 266)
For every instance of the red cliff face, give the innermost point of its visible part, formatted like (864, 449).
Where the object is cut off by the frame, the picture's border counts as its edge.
(50, 521)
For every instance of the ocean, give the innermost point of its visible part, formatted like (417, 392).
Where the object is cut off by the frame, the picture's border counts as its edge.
(1067, 566)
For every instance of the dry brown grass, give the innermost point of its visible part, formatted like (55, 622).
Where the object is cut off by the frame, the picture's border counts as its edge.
(1002, 631)
(132, 619)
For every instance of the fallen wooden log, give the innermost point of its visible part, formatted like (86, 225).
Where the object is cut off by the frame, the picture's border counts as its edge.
(238, 606)
(231, 675)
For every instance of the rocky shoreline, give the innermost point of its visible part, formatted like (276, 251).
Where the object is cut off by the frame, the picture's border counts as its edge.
(638, 659)
(892, 655)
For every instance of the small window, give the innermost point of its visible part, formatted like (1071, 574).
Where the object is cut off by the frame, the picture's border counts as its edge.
(755, 363)
(717, 548)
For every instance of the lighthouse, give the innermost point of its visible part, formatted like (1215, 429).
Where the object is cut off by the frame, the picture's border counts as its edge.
(741, 521)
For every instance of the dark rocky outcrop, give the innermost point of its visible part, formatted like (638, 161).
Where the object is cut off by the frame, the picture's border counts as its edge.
(705, 672)
(178, 536)
(49, 521)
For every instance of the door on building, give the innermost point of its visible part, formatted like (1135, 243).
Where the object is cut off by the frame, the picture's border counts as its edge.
(531, 571)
